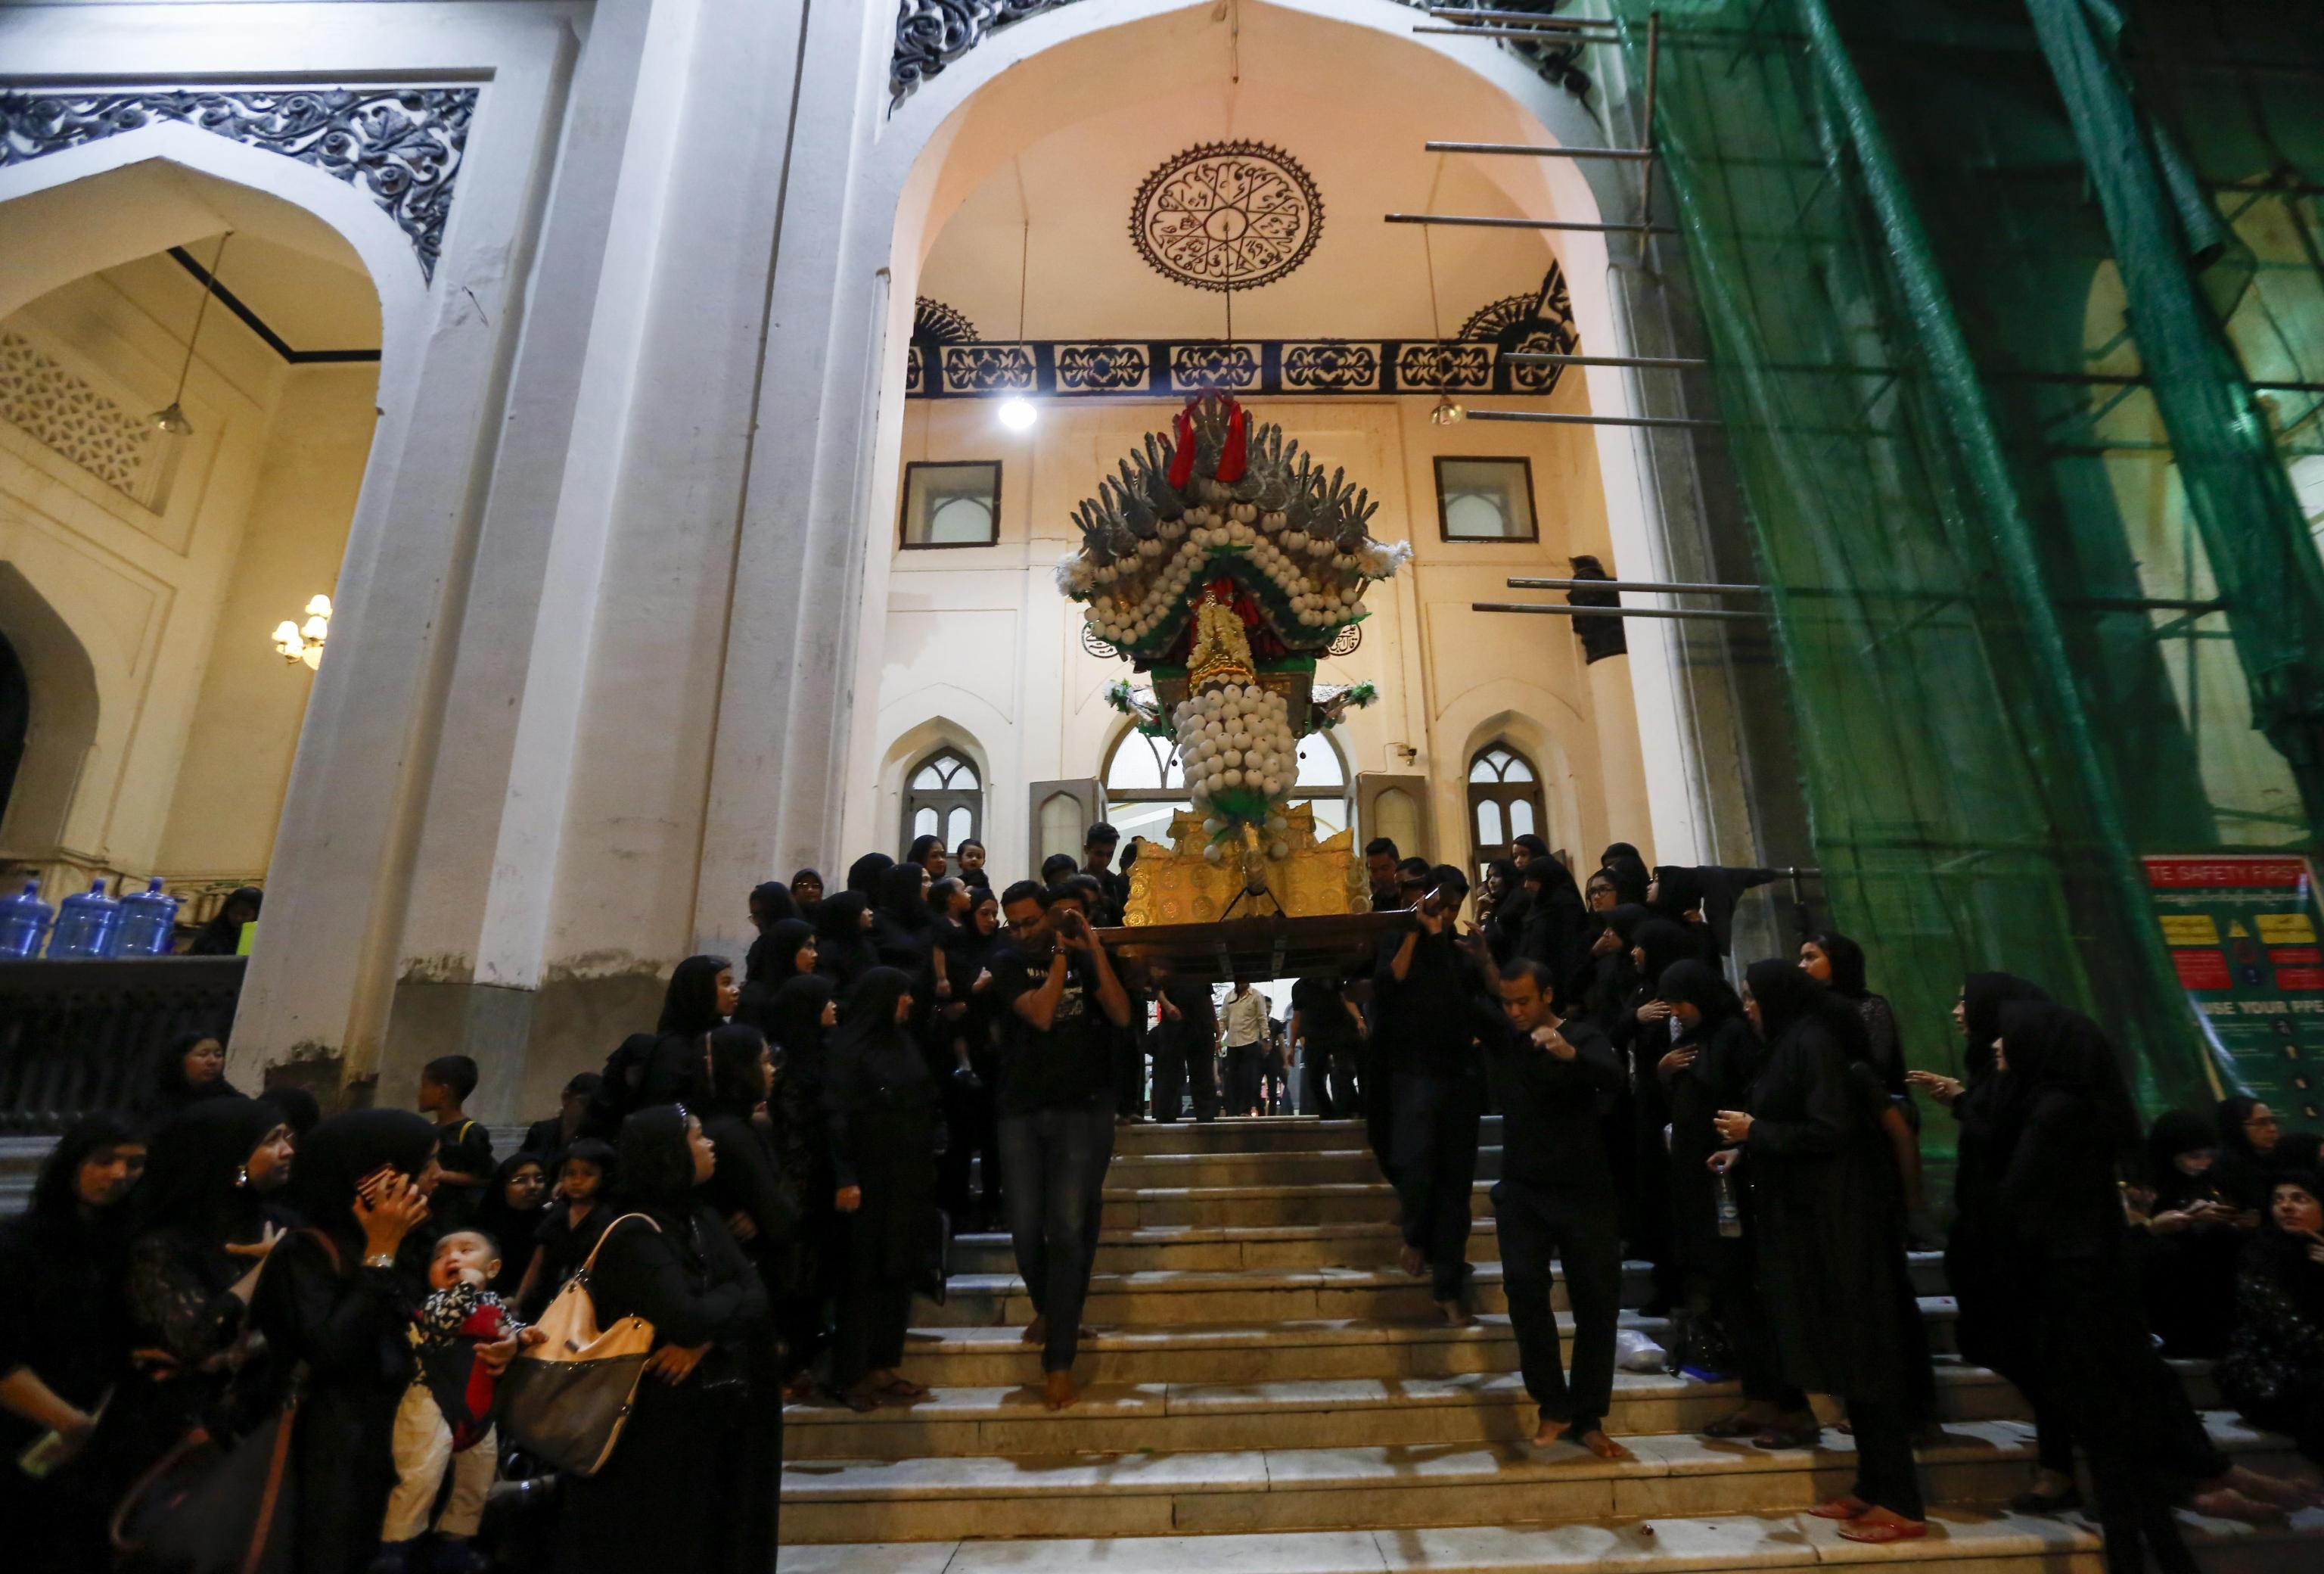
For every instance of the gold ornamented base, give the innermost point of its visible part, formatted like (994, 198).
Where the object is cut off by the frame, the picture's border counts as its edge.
(1177, 885)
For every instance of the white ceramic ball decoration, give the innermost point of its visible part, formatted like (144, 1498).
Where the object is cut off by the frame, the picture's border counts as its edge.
(1213, 852)
(1230, 777)
(1279, 850)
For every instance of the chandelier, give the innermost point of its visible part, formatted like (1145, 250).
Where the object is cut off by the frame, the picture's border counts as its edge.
(304, 641)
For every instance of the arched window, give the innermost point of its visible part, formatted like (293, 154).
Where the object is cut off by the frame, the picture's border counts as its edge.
(1504, 802)
(1145, 785)
(943, 797)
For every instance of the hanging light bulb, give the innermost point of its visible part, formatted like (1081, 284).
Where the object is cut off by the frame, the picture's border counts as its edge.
(303, 643)
(1018, 414)
(1446, 414)
(172, 417)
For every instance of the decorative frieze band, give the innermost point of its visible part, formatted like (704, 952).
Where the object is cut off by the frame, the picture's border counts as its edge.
(401, 145)
(1169, 369)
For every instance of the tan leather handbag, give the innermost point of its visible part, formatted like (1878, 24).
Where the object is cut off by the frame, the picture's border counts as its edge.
(567, 1398)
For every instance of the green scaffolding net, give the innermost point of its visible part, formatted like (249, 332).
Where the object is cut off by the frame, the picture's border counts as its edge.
(2016, 317)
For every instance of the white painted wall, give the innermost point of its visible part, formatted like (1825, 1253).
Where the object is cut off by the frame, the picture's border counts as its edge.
(978, 649)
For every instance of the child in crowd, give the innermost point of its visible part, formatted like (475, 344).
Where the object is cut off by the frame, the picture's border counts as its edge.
(576, 1216)
(444, 1421)
(464, 1147)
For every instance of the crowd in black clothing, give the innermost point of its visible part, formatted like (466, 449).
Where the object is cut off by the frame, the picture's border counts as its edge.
(770, 1176)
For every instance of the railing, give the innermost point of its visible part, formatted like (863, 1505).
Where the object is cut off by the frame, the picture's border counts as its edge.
(80, 1036)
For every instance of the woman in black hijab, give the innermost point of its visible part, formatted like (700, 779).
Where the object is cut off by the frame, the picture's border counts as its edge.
(2249, 1135)
(1501, 909)
(738, 1074)
(1556, 928)
(2188, 1241)
(927, 852)
(512, 1214)
(701, 995)
(1677, 892)
(771, 901)
(222, 935)
(2070, 1127)
(903, 929)
(863, 873)
(338, 1298)
(1641, 1036)
(2273, 1373)
(1831, 1251)
(1615, 850)
(802, 1017)
(843, 940)
(64, 1342)
(202, 1235)
(963, 1056)
(782, 951)
(1709, 1066)
(191, 1068)
(621, 1087)
(1613, 977)
(1837, 962)
(806, 890)
(690, 1487)
(882, 1108)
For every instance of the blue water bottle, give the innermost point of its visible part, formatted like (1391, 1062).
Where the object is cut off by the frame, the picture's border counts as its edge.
(23, 923)
(149, 922)
(86, 925)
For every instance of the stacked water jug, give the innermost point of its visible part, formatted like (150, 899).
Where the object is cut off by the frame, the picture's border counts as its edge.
(90, 923)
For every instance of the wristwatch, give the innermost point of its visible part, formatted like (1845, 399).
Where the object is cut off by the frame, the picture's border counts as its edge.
(380, 1260)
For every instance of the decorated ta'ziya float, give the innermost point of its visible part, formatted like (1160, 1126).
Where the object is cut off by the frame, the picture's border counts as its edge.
(1220, 562)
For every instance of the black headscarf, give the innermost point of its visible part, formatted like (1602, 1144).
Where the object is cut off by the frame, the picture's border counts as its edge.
(841, 947)
(863, 873)
(617, 1093)
(796, 1025)
(2229, 1123)
(689, 1006)
(1620, 850)
(736, 1084)
(1630, 880)
(1694, 982)
(776, 898)
(1983, 994)
(169, 1091)
(511, 1229)
(772, 962)
(194, 1170)
(655, 1162)
(1678, 891)
(900, 901)
(2051, 1048)
(2176, 1132)
(1665, 943)
(1534, 847)
(1847, 958)
(344, 1149)
(222, 936)
(1788, 998)
(922, 846)
(56, 1195)
(1625, 919)
(871, 1044)
(2284, 1256)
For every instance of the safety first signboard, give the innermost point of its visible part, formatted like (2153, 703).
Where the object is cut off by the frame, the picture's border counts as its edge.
(2243, 931)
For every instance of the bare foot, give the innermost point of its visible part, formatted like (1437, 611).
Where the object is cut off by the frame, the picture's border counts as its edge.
(1456, 1314)
(1848, 1507)
(2276, 1489)
(1596, 1440)
(2229, 1503)
(1409, 1259)
(1549, 1431)
(1879, 1526)
(1037, 1332)
(1060, 1390)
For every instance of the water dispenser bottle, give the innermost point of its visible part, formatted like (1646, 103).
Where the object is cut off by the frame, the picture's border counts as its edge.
(23, 923)
(86, 925)
(149, 922)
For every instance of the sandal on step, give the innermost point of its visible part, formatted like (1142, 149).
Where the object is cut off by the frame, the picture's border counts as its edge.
(1880, 1532)
(1841, 1508)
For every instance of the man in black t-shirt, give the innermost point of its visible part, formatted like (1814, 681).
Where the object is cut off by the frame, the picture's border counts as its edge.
(1429, 1002)
(1061, 1004)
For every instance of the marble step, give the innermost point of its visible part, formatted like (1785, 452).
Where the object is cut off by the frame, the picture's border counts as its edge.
(1291, 1488)
(1225, 1249)
(1135, 1171)
(1312, 1349)
(1149, 1300)
(1213, 1207)
(1246, 1134)
(1970, 1538)
(1477, 1408)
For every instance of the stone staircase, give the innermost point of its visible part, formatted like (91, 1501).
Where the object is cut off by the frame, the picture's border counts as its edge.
(1265, 1393)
